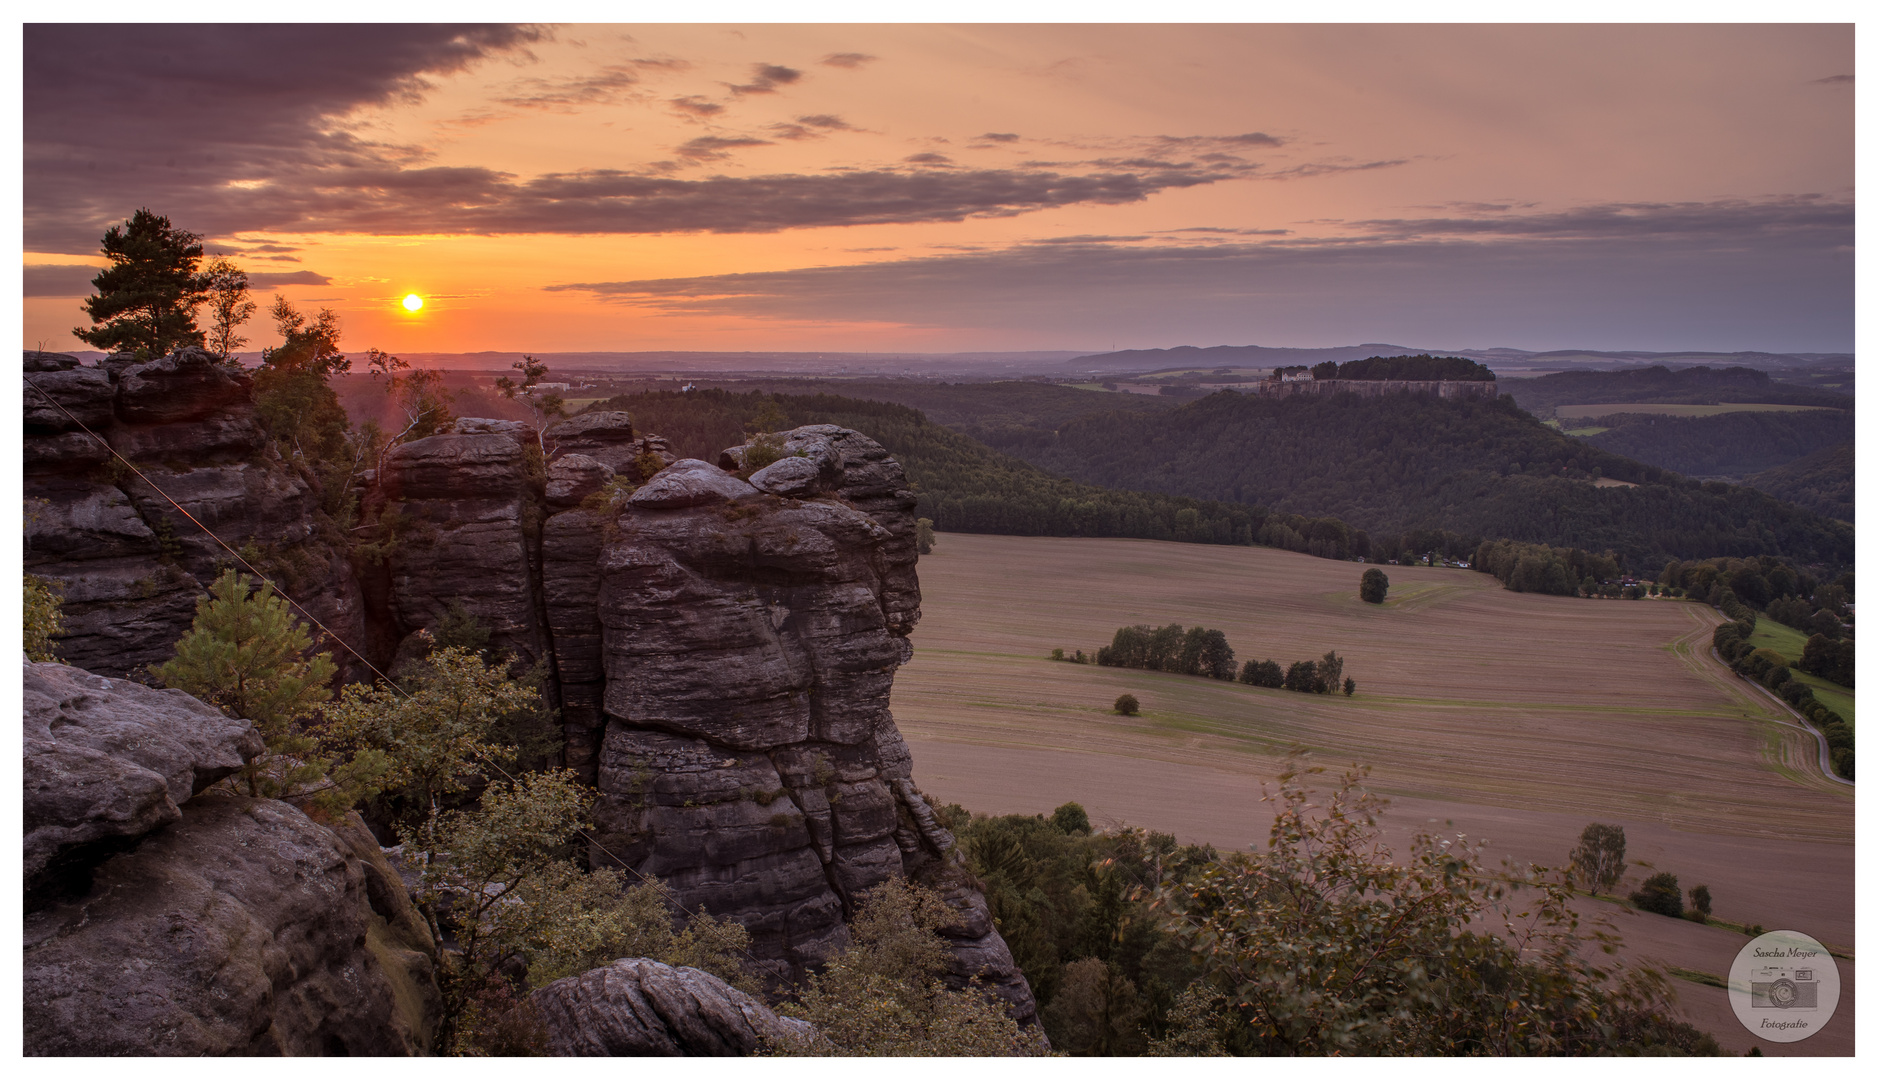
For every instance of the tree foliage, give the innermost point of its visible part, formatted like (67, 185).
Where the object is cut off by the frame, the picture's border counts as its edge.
(437, 731)
(1599, 857)
(248, 655)
(147, 297)
(1325, 943)
(1374, 588)
(1197, 651)
(42, 618)
(227, 287)
(503, 880)
(1127, 705)
(883, 996)
(1660, 893)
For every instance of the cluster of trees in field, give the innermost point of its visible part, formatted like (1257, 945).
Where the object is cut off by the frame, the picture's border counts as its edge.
(1729, 446)
(1597, 863)
(1199, 651)
(1196, 651)
(1542, 569)
(1321, 941)
(1657, 384)
(1821, 482)
(1422, 368)
(1475, 467)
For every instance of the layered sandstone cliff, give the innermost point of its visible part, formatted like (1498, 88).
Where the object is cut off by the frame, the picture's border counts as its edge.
(720, 640)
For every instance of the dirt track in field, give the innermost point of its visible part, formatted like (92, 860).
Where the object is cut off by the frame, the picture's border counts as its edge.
(1516, 717)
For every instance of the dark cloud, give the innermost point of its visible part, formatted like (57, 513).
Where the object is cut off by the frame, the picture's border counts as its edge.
(1215, 230)
(267, 282)
(1088, 239)
(695, 107)
(811, 127)
(765, 78)
(716, 148)
(846, 59)
(72, 279)
(1831, 80)
(1810, 215)
(1737, 275)
(929, 158)
(122, 116)
(605, 85)
(998, 136)
(462, 200)
(59, 279)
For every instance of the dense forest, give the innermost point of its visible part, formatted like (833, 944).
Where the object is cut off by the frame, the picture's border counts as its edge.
(963, 485)
(1685, 386)
(1420, 474)
(1479, 467)
(1420, 368)
(1820, 482)
(1725, 447)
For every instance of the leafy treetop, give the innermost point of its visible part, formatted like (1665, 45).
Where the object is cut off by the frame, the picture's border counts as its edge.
(148, 295)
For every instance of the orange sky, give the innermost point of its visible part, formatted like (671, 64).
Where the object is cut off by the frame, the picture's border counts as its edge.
(1279, 185)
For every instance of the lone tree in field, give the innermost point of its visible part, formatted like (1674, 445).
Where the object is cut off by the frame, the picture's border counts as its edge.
(1375, 586)
(1127, 705)
(147, 297)
(1599, 856)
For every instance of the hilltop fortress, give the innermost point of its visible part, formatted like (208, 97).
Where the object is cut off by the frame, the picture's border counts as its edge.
(1442, 376)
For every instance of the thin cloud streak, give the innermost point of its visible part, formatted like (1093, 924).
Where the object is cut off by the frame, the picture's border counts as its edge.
(1733, 274)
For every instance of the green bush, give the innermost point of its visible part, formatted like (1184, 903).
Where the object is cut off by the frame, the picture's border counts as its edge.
(1660, 894)
(1375, 586)
(1127, 705)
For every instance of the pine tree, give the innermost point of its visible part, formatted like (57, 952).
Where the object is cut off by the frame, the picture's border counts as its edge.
(246, 654)
(148, 295)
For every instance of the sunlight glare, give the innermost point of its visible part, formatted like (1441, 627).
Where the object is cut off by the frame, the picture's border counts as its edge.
(413, 302)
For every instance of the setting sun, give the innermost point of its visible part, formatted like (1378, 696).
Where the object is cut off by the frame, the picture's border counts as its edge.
(413, 302)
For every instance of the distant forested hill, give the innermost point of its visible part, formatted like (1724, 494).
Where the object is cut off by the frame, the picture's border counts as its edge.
(1729, 446)
(963, 485)
(1821, 482)
(1405, 462)
(998, 414)
(1688, 386)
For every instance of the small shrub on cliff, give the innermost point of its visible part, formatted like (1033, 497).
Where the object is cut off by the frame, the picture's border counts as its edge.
(503, 877)
(923, 537)
(246, 654)
(43, 620)
(440, 730)
(883, 996)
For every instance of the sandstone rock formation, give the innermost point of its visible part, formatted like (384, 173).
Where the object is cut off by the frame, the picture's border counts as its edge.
(637, 1007)
(720, 642)
(130, 563)
(107, 761)
(175, 922)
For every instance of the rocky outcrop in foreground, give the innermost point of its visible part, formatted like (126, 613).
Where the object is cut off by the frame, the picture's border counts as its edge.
(720, 637)
(634, 1008)
(174, 923)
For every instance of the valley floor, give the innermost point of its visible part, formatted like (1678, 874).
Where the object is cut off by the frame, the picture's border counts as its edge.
(1515, 717)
